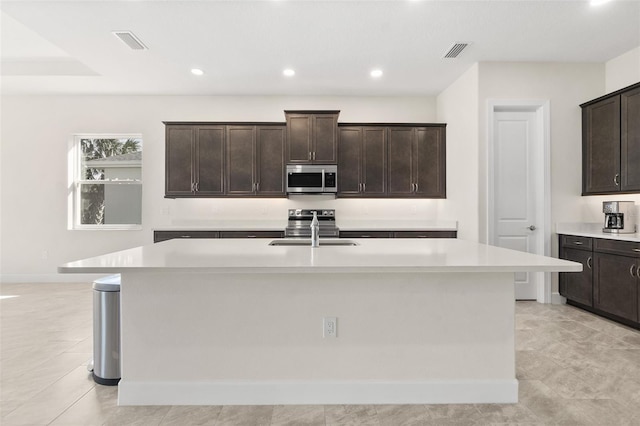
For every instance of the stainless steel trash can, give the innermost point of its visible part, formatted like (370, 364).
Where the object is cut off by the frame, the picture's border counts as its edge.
(106, 330)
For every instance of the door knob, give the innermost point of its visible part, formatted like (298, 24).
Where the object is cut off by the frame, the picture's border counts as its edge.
(532, 228)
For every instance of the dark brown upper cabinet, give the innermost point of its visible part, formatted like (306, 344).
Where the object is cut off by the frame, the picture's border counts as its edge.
(611, 143)
(417, 162)
(194, 161)
(255, 160)
(362, 160)
(312, 137)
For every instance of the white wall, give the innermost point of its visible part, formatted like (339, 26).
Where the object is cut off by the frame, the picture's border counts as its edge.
(458, 107)
(622, 71)
(35, 136)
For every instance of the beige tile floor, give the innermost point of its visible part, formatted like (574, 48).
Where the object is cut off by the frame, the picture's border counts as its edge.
(574, 369)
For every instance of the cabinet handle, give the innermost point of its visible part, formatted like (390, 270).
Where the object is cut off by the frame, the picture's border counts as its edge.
(193, 187)
(638, 272)
(251, 236)
(197, 186)
(589, 262)
(257, 186)
(253, 187)
(364, 187)
(359, 187)
(314, 155)
(185, 236)
(365, 236)
(636, 250)
(417, 187)
(309, 156)
(578, 243)
(616, 179)
(632, 271)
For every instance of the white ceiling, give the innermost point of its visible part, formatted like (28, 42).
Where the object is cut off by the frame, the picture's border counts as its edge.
(57, 47)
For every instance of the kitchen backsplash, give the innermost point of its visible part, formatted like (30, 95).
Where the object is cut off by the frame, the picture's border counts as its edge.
(183, 211)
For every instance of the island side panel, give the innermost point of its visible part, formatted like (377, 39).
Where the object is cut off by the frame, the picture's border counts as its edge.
(205, 338)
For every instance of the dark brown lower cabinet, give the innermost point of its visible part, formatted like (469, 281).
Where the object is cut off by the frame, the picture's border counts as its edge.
(616, 285)
(251, 234)
(159, 236)
(609, 284)
(398, 234)
(578, 286)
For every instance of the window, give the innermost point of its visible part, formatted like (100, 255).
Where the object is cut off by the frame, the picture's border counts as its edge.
(107, 182)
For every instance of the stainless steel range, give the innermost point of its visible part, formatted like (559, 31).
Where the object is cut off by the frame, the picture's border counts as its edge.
(299, 224)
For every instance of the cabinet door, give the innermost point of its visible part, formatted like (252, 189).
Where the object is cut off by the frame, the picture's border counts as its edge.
(374, 161)
(400, 161)
(615, 287)
(349, 161)
(325, 138)
(270, 164)
(578, 286)
(299, 138)
(210, 160)
(429, 160)
(601, 146)
(179, 173)
(630, 140)
(241, 160)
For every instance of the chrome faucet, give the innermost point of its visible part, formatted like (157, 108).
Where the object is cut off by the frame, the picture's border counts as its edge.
(315, 231)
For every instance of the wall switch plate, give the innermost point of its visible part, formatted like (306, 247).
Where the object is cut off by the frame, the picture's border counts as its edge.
(329, 327)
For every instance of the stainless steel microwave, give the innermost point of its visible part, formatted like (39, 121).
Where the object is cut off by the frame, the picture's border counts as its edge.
(312, 179)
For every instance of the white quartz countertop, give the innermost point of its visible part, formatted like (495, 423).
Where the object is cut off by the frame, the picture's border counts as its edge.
(370, 255)
(280, 225)
(593, 230)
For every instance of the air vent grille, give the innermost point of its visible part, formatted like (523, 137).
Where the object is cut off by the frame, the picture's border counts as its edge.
(130, 40)
(455, 50)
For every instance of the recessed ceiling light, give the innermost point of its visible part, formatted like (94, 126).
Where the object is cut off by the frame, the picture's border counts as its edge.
(376, 73)
(598, 2)
(197, 71)
(289, 72)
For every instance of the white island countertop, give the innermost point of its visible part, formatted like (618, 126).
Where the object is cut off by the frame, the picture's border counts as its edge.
(369, 255)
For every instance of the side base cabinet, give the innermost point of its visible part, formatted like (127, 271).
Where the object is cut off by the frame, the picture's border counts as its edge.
(609, 284)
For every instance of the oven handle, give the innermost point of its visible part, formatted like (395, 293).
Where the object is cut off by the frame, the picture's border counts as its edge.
(322, 180)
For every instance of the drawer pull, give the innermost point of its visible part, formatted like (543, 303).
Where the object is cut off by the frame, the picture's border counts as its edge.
(589, 262)
(638, 272)
(251, 236)
(632, 271)
(578, 243)
(365, 236)
(185, 236)
(636, 250)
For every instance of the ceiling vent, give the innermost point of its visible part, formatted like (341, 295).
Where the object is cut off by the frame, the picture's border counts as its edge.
(130, 40)
(455, 50)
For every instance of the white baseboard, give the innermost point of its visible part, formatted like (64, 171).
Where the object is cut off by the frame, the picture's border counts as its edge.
(557, 299)
(323, 393)
(49, 278)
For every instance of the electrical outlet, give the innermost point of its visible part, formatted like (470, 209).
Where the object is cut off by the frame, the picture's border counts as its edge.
(329, 327)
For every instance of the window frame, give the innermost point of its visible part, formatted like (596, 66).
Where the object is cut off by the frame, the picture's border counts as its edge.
(76, 182)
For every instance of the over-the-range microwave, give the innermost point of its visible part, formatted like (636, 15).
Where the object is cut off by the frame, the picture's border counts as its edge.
(312, 179)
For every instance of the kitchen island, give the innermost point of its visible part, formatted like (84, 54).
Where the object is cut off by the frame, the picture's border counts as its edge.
(239, 321)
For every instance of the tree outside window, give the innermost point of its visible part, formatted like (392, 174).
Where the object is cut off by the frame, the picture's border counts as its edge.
(109, 182)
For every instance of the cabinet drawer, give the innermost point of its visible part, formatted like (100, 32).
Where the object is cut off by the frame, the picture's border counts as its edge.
(251, 234)
(159, 236)
(366, 234)
(625, 248)
(581, 243)
(425, 234)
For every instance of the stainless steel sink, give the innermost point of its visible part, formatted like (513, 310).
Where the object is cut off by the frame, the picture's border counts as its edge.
(307, 242)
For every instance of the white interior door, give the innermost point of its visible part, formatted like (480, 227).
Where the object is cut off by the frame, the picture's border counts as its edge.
(515, 184)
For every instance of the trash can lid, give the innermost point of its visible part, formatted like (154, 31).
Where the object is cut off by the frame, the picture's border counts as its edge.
(109, 283)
